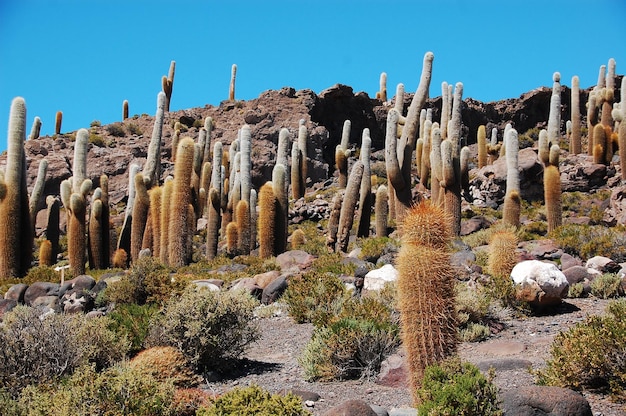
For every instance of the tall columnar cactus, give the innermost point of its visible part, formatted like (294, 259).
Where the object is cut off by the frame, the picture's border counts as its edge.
(481, 141)
(52, 231)
(297, 183)
(245, 164)
(382, 90)
(303, 142)
(554, 117)
(426, 291)
(123, 242)
(342, 154)
(156, 197)
(552, 190)
(575, 146)
(179, 204)
(243, 227)
(436, 191)
(253, 218)
(232, 237)
(424, 161)
(208, 126)
(346, 217)
(35, 129)
(140, 215)
(543, 147)
(512, 198)
(166, 199)
(74, 196)
(279, 179)
(398, 153)
(58, 121)
(231, 89)
(451, 163)
(381, 211)
(592, 120)
(333, 220)
(168, 85)
(502, 256)
(365, 192)
(124, 109)
(620, 117)
(213, 223)
(446, 107)
(96, 231)
(267, 220)
(608, 95)
(152, 169)
(600, 144)
(36, 195)
(16, 234)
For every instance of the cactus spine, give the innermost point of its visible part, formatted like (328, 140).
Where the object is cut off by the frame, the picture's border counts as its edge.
(231, 89)
(152, 169)
(279, 179)
(96, 232)
(381, 210)
(599, 144)
(342, 153)
(512, 199)
(123, 241)
(140, 216)
(333, 220)
(554, 117)
(181, 198)
(267, 218)
(168, 85)
(481, 140)
(166, 198)
(124, 109)
(426, 290)
(232, 237)
(346, 217)
(382, 91)
(16, 234)
(365, 193)
(36, 195)
(243, 227)
(552, 190)
(303, 139)
(575, 146)
(35, 129)
(58, 120)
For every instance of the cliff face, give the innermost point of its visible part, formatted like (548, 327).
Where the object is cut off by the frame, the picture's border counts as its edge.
(323, 114)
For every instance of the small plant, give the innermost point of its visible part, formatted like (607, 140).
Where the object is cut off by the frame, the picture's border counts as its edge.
(457, 388)
(95, 123)
(591, 355)
(472, 306)
(333, 263)
(315, 297)
(116, 129)
(96, 140)
(210, 328)
(374, 247)
(609, 285)
(254, 401)
(577, 290)
(134, 129)
(166, 363)
(132, 321)
(587, 241)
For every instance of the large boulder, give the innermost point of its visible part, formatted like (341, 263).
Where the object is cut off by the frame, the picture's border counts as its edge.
(540, 283)
(377, 278)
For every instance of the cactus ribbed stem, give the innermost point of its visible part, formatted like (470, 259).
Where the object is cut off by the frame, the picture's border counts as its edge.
(231, 89)
(152, 169)
(140, 216)
(346, 217)
(181, 198)
(481, 141)
(166, 198)
(243, 227)
(279, 179)
(512, 199)
(267, 220)
(575, 146)
(381, 210)
(365, 192)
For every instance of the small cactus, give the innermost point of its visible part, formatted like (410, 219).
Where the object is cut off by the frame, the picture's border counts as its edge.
(58, 121)
(512, 199)
(381, 210)
(267, 220)
(231, 89)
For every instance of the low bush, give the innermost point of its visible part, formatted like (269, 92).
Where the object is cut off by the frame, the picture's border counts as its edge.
(166, 363)
(116, 129)
(254, 401)
(609, 285)
(591, 355)
(315, 297)
(586, 241)
(134, 129)
(374, 247)
(457, 388)
(119, 390)
(38, 350)
(210, 328)
(577, 290)
(348, 348)
(132, 321)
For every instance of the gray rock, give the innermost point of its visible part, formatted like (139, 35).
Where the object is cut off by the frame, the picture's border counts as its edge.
(16, 292)
(39, 289)
(576, 274)
(274, 290)
(351, 408)
(544, 401)
(6, 305)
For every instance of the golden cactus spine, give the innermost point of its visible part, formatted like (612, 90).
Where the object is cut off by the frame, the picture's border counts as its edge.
(181, 198)
(45, 254)
(52, 224)
(552, 190)
(512, 198)
(213, 223)
(599, 144)
(140, 216)
(15, 230)
(232, 236)
(267, 219)
(166, 198)
(124, 109)
(365, 192)
(481, 140)
(58, 121)
(231, 89)
(168, 84)
(381, 210)
(96, 231)
(426, 290)
(279, 181)
(156, 197)
(298, 239)
(243, 226)
(502, 256)
(575, 145)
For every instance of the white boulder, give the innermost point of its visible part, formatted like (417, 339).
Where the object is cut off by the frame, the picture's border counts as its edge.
(539, 283)
(377, 278)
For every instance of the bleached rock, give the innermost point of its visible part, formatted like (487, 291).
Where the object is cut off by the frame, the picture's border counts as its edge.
(539, 283)
(377, 278)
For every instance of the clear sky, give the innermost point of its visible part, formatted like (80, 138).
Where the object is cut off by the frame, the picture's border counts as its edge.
(84, 57)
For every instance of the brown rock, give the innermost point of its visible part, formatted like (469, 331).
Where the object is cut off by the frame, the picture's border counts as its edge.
(351, 408)
(544, 400)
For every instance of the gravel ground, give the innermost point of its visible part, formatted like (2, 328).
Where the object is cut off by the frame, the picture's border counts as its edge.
(272, 362)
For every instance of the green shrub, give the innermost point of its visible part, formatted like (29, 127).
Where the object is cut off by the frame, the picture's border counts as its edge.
(591, 355)
(315, 297)
(42, 350)
(148, 280)
(119, 390)
(116, 129)
(96, 140)
(134, 129)
(95, 123)
(456, 388)
(132, 322)
(254, 401)
(587, 241)
(374, 247)
(577, 290)
(474, 332)
(210, 328)
(473, 310)
(333, 263)
(609, 285)
(348, 348)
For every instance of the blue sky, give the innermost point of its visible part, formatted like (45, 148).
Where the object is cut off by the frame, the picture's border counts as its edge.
(85, 57)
